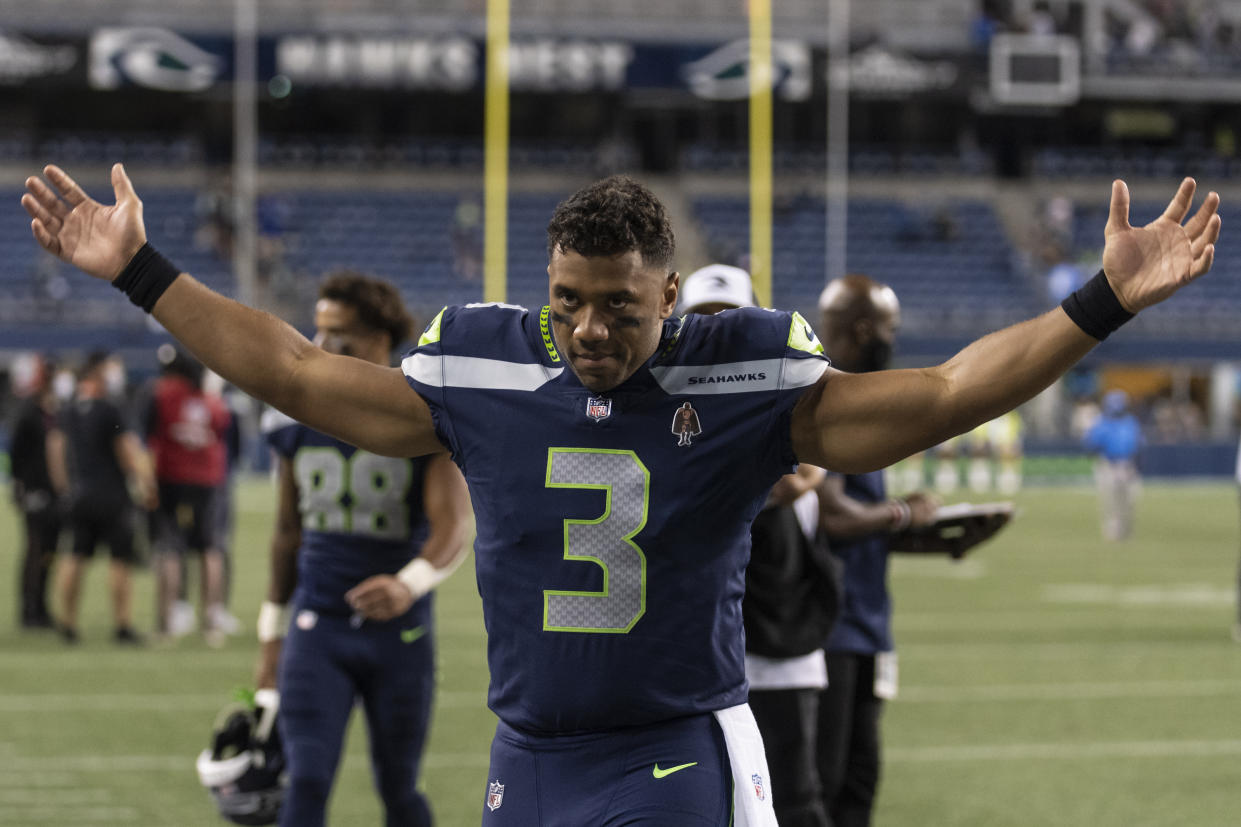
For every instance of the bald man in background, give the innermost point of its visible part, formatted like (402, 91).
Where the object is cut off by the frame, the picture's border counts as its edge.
(858, 322)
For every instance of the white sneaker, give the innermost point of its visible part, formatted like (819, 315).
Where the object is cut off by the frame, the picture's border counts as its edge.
(181, 619)
(222, 620)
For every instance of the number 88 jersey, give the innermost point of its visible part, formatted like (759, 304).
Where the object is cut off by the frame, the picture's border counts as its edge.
(361, 513)
(613, 529)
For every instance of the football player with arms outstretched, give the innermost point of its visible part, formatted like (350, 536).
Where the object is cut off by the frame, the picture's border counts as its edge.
(359, 542)
(610, 552)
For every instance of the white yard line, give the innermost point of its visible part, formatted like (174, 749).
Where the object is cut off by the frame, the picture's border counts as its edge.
(32, 779)
(51, 814)
(16, 797)
(1158, 594)
(1088, 750)
(1065, 649)
(126, 702)
(1069, 691)
(169, 702)
(1206, 687)
(892, 754)
(22, 767)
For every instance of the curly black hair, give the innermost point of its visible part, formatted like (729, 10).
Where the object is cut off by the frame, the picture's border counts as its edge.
(610, 218)
(377, 302)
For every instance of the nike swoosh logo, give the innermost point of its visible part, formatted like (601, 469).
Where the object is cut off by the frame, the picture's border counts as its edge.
(410, 635)
(658, 773)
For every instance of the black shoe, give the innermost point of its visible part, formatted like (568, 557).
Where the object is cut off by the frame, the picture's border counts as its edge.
(38, 622)
(126, 636)
(68, 634)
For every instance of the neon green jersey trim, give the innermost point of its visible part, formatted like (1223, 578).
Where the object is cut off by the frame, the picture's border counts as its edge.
(432, 333)
(801, 335)
(544, 329)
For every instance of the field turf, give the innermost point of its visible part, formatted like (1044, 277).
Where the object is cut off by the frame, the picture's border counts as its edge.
(1048, 679)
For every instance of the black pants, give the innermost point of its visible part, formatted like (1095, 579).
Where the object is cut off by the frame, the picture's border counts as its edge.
(788, 721)
(849, 739)
(42, 533)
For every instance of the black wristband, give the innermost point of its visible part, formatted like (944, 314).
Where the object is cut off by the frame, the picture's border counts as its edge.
(1095, 309)
(146, 277)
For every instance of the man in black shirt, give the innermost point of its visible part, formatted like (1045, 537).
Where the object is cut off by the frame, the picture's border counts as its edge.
(93, 456)
(32, 488)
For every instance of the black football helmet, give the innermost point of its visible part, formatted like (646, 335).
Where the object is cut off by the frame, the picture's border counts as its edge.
(244, 768)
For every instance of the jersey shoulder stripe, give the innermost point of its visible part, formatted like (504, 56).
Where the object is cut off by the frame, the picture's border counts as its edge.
(742, 351)
(441, 371)
(485, 346)
(739, 377)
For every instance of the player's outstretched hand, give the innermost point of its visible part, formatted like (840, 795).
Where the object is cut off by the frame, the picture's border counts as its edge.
(381, 597)
(74, 227)
(1145, 265)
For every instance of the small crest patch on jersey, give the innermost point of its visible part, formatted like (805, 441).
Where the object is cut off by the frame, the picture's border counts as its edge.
(495, 795)
(598, 408)
(306, 620)
(686, 424)
(758, 786)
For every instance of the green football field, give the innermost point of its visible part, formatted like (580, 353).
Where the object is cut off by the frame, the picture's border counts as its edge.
(1048, 679)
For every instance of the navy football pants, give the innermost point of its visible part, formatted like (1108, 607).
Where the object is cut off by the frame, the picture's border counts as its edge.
(322, 670)
(671, 774)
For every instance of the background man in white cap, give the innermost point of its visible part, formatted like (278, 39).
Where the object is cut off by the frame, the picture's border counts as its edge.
(716, 287)
(791, 600)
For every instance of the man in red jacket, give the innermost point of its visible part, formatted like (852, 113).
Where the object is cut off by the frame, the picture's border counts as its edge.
(185, 431)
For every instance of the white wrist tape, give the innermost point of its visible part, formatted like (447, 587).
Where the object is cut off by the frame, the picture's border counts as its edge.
(419, 576)
(273, 621)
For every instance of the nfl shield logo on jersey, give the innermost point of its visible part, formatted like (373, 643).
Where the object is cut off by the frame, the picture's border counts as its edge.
(758, 786)
(598, 408)
(495, 795)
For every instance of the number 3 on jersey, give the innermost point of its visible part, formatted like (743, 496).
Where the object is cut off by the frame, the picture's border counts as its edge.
(606, 541)
(363, 494)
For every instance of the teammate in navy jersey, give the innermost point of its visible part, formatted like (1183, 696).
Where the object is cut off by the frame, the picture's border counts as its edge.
(610, 558)
(359, 542)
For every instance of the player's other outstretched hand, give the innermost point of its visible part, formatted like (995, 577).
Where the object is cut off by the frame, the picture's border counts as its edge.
(1145, 265)
(76, 228)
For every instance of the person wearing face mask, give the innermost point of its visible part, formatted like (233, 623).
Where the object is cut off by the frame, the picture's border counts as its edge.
(32, 488)
(94, 461)
(185, 430)
(859, 318)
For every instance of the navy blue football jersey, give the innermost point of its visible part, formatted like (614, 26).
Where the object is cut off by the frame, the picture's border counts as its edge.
(361, 513)
(613, 529)
(865, 623)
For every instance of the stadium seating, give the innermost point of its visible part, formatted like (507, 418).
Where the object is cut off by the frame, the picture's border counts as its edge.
(951, 264)
(957, 273)
(863, 160)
